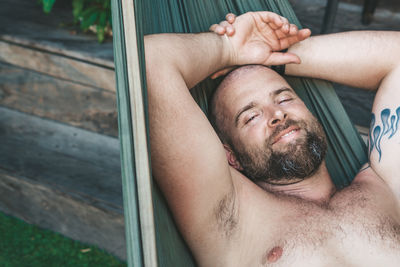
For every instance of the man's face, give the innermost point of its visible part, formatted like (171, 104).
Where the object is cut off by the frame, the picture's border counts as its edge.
(273, 135)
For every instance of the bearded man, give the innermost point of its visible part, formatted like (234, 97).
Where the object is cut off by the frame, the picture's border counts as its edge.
(278, 164)
(260, 194)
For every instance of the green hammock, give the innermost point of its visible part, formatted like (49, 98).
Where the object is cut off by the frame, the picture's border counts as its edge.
(152, 237)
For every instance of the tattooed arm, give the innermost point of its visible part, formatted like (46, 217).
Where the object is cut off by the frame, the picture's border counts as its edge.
(384, 139)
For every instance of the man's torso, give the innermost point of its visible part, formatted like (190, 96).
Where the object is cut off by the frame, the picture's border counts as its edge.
(360, 226)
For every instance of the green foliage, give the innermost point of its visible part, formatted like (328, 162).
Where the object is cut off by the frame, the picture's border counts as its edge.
(22, 244)
(93, 15)
(47, 5)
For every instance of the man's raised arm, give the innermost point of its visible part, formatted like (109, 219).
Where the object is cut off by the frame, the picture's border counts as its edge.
(190, 57)
(188, 160)
(360, 59)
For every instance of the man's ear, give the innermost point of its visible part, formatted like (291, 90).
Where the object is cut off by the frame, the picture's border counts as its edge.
(231, 157)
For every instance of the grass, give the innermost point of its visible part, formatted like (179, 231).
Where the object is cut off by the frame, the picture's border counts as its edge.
(22, 244)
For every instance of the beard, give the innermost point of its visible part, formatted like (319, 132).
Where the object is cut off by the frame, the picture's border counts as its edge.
(299, 159)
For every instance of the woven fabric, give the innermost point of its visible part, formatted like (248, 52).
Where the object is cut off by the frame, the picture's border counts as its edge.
(346, 150)
(346, 153)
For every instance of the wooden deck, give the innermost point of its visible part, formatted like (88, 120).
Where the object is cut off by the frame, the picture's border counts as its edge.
(59, 152)
(48, 72)
(62, 178)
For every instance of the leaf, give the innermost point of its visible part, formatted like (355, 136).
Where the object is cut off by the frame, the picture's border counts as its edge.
(100, 33)
(103, 19)
(89, 20)
(107, 4)
(48, 5)
(77, 7)
(88, 11)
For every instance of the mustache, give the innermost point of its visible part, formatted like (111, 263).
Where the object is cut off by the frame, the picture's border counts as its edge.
(278, 129)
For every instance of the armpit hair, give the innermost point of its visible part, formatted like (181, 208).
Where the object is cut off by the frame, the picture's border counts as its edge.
(226, 213)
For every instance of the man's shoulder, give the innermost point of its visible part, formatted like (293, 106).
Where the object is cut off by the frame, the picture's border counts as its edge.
(366, 176)
(368, 179)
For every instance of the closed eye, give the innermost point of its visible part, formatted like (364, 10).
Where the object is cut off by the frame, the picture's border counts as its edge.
(250, 119)
(285, 100)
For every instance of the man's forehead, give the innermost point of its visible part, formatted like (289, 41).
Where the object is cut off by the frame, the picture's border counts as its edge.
(251, 82)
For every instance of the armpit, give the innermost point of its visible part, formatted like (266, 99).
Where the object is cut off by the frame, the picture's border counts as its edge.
(226, 213)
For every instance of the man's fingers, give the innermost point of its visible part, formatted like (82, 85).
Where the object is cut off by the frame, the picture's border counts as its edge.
(217, 29)
(277, 22)
(293, 29)
(304, 34)
(286, 25)
(279, 58)
(268, 17)
(230, 17)
(229, 29)
(290, 40)
(212, 27)
(223, 27)
(281, 34)
(280, 23)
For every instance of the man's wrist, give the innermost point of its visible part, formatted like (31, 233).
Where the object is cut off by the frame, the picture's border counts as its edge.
(227, 55)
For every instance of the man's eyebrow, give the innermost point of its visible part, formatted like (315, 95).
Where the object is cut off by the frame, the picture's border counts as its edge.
(281, 90)
(253, 104)
(242, 110)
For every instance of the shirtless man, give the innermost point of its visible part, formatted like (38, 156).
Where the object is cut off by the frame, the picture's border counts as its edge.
(232, 204)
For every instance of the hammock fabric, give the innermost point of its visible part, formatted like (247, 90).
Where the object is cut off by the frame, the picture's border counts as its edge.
(346, 152)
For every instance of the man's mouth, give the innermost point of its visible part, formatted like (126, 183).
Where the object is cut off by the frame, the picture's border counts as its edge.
(287, 134)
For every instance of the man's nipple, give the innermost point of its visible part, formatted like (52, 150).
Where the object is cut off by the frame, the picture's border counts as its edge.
(274, 254)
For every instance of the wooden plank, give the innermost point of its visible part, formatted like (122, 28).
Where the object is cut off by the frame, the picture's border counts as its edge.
(62, 178)
(68, 102)
(52, 32)
(58, 66)
(74, 161)
(142, 163)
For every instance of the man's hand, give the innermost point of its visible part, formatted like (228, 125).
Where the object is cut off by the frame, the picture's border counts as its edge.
(257, 38)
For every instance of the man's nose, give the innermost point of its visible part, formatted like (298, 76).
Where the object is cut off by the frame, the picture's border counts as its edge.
(278, 116)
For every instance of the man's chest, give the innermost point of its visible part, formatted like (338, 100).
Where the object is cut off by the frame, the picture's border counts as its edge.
(358, 227)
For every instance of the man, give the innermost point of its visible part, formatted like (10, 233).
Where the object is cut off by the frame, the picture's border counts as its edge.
(231, 201)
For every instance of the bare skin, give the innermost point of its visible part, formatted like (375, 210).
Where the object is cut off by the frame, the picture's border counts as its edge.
(226, 219)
